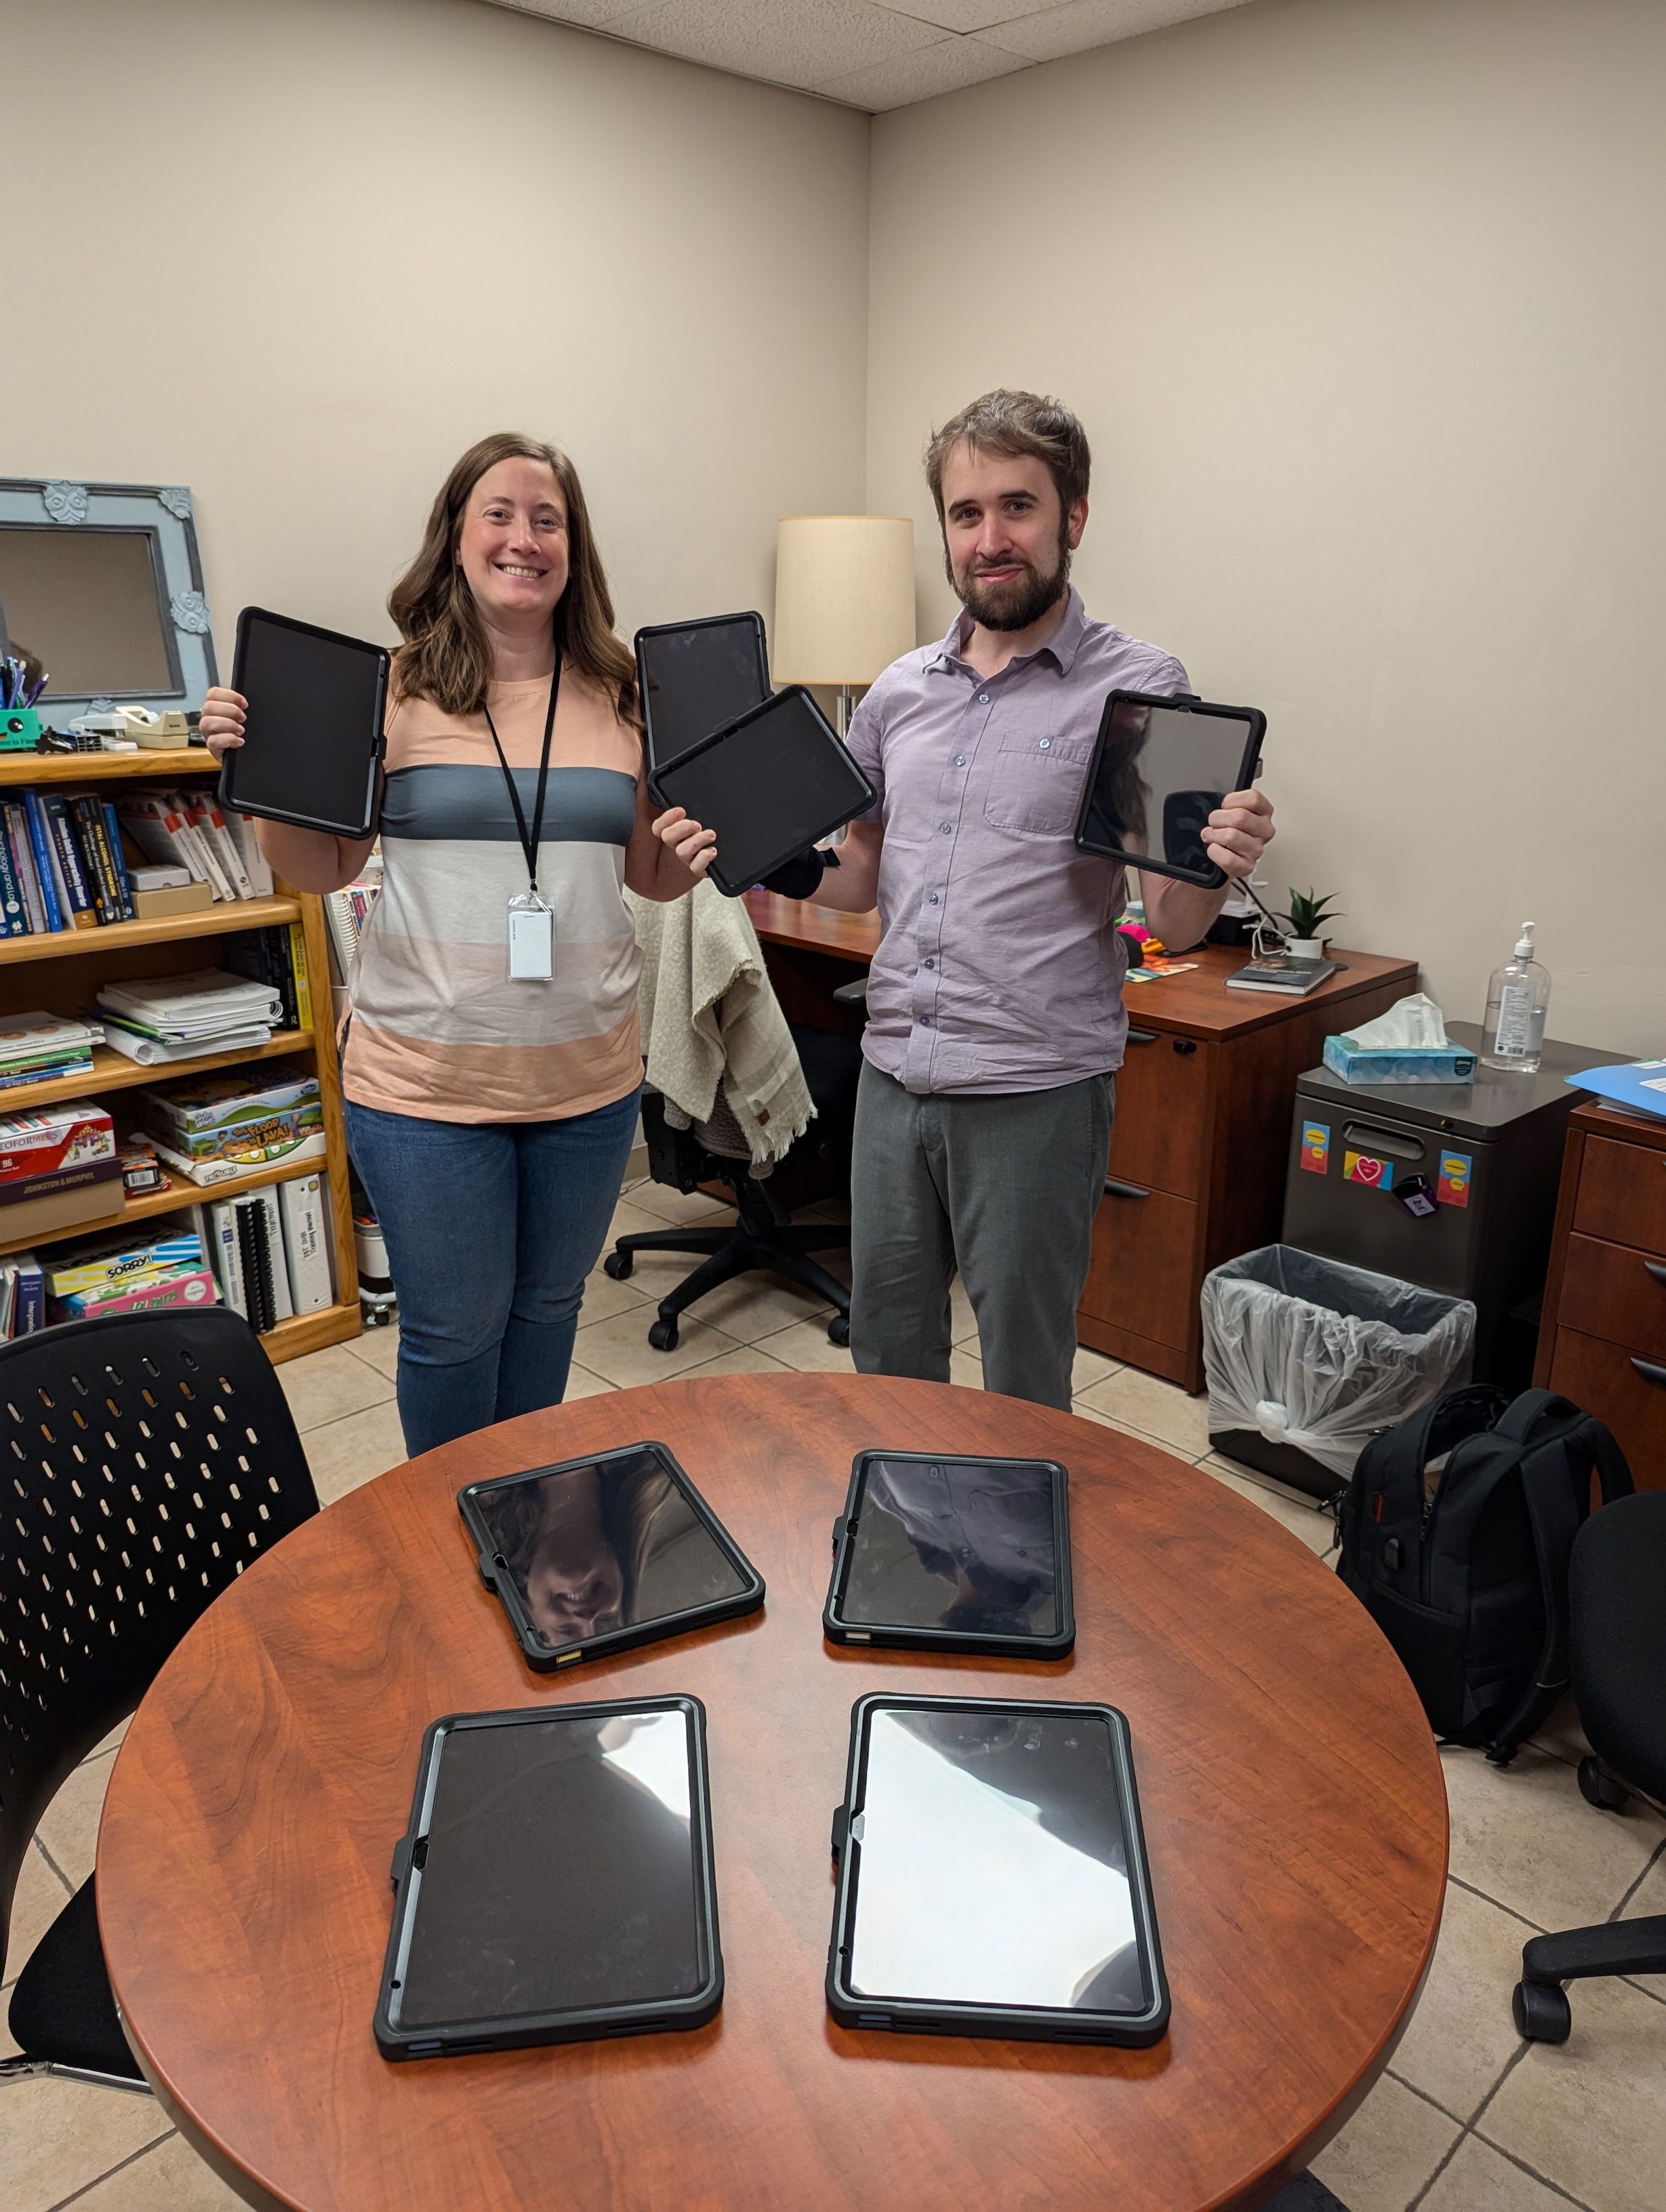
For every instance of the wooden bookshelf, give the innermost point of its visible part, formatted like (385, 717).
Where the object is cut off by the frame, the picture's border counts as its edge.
(63, 971)
(217, 921)
(114, 1070)
(107, 767)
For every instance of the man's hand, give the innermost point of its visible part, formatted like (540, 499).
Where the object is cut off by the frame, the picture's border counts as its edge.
(1239, 831)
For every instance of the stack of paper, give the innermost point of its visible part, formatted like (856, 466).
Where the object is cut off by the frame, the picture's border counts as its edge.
(37, 1048)
(159, 1019)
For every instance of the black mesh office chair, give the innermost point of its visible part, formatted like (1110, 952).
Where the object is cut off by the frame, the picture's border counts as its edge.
(764, 1236)
(145, 1459)
(1617, 1654)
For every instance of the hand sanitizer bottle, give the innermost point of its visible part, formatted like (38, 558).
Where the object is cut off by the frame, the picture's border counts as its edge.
(1513, 1033)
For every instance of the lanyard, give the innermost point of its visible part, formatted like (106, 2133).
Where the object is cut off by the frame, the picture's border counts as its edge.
(529, 844)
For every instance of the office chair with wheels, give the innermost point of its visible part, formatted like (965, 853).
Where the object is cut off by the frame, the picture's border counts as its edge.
(1617, 1655)
(145, 1459)
(764, 1236)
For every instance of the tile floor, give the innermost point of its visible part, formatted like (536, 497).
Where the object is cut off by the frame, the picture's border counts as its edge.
(1466, 2119)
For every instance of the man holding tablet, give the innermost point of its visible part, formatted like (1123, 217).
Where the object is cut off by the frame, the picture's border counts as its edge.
(996, 1019)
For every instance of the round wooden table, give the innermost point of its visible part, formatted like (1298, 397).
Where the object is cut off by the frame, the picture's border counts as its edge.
(1292, 1796)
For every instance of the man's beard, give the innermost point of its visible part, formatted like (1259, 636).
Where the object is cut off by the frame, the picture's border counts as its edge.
(1014, 606)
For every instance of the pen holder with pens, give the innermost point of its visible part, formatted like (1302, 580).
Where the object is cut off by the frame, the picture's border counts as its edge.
(19, 729)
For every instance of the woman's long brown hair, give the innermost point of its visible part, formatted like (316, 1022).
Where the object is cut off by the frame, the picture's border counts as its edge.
(445, 657)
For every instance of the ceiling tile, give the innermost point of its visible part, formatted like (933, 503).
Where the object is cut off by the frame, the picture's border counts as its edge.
(796, 42)
(946, 67)
(1080, 24)
(589, 14)
(962, 15)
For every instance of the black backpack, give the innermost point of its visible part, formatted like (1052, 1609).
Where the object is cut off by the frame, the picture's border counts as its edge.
(1465, 1569)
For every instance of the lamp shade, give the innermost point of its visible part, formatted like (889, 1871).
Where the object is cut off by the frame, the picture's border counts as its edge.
(844, 597)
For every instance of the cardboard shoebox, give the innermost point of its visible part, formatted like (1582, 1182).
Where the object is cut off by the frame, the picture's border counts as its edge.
(58, 1167)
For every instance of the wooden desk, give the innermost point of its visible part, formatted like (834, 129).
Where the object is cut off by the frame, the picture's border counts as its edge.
(1602, 1339)
(1298, 1843)
(1203, 1105)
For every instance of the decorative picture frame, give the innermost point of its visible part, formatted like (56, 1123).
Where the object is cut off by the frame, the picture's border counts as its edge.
(162, 516)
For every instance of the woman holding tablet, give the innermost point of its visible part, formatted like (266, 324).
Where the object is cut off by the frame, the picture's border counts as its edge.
(493, 1065)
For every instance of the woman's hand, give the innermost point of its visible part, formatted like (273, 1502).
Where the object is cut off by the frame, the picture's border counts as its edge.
(696, 848)
(224, 713)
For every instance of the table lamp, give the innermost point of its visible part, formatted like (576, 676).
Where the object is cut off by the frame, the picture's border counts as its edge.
(844, 601)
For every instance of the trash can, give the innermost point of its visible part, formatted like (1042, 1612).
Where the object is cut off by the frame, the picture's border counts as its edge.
(1308, 1358)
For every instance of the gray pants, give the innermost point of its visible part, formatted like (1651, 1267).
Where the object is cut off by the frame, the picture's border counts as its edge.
(1002, 1187)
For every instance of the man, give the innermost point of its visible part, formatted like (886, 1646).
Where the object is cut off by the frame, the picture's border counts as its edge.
(995, 1020)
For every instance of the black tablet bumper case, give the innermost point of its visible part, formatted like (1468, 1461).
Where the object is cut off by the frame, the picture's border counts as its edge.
(553, 1887)
(1048, 1840)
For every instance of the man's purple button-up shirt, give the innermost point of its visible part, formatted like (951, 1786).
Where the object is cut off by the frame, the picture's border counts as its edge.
(998, 967)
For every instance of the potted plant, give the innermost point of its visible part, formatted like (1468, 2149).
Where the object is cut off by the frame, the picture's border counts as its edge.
(1307, 913)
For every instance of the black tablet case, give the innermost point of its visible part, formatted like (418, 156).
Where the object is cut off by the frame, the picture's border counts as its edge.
(857, 2010)
(1182, 811)
(547, 1659)
(695, 678)
(770, 784)
(313, 746)
(838, 1629)
(608, 1838)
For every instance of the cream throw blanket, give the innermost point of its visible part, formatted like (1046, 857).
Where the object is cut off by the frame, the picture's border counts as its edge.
(711, 1025)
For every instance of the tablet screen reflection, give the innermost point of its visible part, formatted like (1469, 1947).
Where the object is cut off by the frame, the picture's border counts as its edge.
(955, 1544)
(595, 1549)
(993, 1863)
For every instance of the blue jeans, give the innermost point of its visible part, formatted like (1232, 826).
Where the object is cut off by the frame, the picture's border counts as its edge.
(491, 1229)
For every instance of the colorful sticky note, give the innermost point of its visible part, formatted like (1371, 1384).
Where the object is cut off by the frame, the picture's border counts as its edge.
(1315, 1148)
(1455, 1169)
(1360, 1167)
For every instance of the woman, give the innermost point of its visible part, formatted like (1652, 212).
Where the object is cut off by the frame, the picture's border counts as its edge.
(490, 1114)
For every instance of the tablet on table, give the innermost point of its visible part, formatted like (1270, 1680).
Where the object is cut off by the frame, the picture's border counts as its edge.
(1160, 767)
(771, 784)
(312, 751)
(695, 678)
(590, 1556)
(992, 1875)
(939, 1552)
(554, 1881)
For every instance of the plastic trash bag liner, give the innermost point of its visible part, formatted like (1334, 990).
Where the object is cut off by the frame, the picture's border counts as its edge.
(1323, 1356)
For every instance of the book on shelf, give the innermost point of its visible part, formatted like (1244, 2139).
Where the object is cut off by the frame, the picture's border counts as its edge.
(278, 958)
(39, 1047)
(159, 1018)
(186, 828)
(347, 915)
(1290, 979)
(256, 1244)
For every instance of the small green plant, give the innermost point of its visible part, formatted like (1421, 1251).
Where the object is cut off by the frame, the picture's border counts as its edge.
(1308, 912)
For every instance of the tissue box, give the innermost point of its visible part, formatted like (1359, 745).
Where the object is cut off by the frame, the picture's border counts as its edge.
(1404, 1063)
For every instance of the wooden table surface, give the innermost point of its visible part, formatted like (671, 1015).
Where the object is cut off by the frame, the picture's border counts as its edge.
(1292, 1802)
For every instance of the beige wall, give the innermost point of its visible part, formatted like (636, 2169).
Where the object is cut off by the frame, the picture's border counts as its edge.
(299, 253)
(1363, 304)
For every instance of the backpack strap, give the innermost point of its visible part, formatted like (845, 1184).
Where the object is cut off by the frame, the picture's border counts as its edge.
(1524, 1414)
(1555, 1507)
(1613, 1472)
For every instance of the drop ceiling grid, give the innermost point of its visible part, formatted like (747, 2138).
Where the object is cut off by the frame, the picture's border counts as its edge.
(870, 54)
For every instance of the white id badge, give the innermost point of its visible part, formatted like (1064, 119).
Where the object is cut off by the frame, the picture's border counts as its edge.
(532, 940)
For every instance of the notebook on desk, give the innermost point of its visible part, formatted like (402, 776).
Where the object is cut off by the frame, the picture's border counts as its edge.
(1291, 979)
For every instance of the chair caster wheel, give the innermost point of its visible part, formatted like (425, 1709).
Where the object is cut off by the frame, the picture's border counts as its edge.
(838, 1329)
(619, 1265)
(663, 1335)
(1543, 2012)
(1600, 1790)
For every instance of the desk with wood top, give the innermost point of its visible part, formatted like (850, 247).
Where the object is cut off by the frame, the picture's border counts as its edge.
(1203, 1105)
